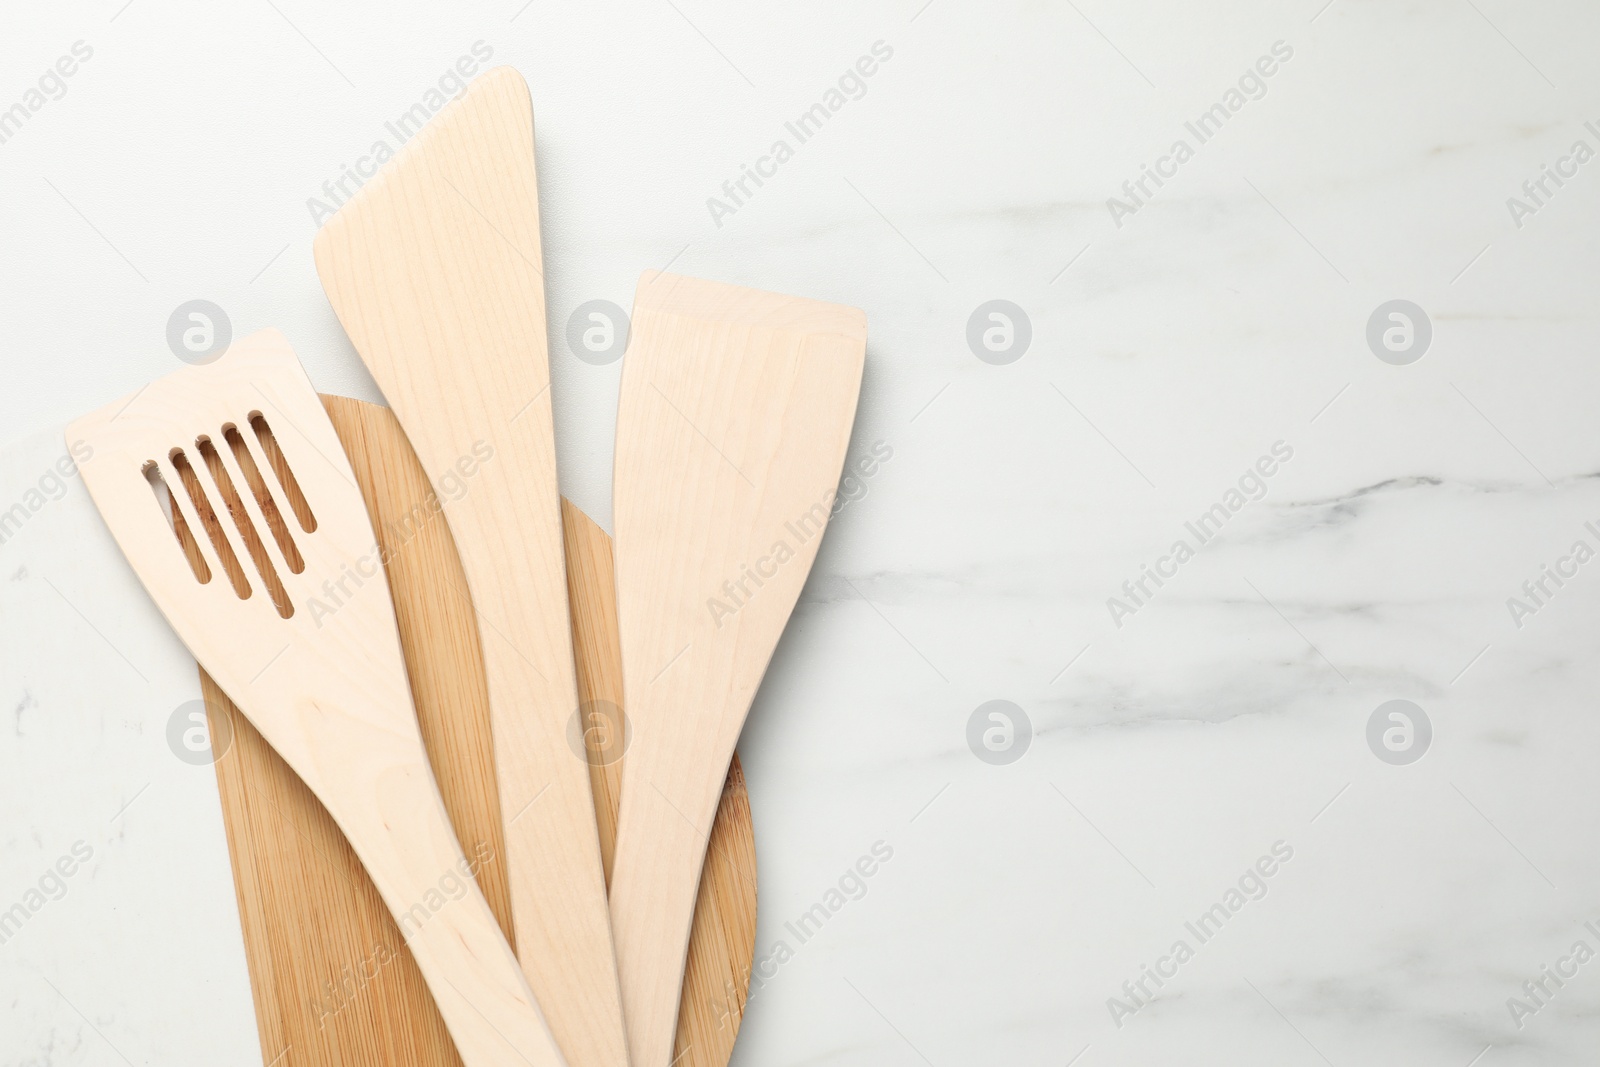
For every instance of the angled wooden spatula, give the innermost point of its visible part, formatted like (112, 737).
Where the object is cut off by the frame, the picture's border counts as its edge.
(434, 270)
(732, 427)
(288, 610)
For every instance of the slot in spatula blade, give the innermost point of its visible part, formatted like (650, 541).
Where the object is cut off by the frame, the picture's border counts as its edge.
(291, 616)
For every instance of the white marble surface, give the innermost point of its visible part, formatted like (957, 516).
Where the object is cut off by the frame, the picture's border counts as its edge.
(1227, 314)
(119, 935)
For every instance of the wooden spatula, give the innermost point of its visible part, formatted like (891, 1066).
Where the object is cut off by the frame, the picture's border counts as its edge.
(734, 418)
(302, 638)
(434, 270)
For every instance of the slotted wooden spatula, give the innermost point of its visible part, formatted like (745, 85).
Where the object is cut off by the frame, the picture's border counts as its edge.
(732, 427)
(434, 270)
(304, 641)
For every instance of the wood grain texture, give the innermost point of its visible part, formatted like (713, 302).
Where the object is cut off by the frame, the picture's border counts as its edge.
(305, 643)
(332, 981)
(735, 413)
(434, 269)
(716, 979)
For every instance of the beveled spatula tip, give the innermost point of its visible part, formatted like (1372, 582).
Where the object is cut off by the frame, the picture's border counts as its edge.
(677, 294)
(501, 89)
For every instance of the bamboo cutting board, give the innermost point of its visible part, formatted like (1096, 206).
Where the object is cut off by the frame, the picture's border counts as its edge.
(332, 980)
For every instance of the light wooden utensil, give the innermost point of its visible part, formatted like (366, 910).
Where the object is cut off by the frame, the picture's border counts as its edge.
(332, 980)
(734, 418)
(304, 642)
(434, 270)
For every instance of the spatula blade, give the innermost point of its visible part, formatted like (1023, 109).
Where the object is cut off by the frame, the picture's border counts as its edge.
(434, 269)
(734, 419)
(289, 612)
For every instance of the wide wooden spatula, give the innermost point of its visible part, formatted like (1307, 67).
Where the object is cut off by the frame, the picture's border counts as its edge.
(734, 418)
(288, 610)
(434, 270)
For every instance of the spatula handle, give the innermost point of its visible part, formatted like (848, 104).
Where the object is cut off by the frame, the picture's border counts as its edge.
(664, 830)
(435, 274)
(408, 847)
